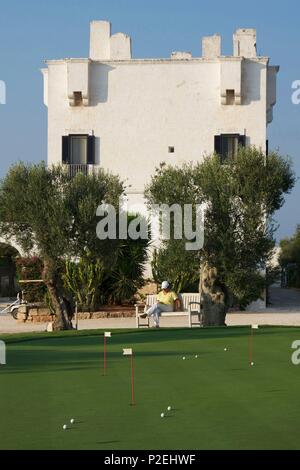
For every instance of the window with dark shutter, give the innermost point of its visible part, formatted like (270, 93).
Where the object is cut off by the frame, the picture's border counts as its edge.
(66, 149)
(78, 151)
(226, 145)
(218, 144)
(91, 150)
(242, 140)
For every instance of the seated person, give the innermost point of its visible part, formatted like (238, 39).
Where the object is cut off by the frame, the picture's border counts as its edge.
(165, 303)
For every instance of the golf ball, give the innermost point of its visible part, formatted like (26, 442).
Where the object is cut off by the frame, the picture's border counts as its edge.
(72, 421)
(65, 427)
(196, 356)
(183, 358)
(169, 408)
(162, 415)
(252, 363)
(225, 349)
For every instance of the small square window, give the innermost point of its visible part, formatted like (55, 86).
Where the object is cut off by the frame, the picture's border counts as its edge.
(78, 98)
(230, 97)
(171, 149)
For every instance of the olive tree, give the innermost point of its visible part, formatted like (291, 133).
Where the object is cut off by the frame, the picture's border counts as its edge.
(45, 210)
(240, 196)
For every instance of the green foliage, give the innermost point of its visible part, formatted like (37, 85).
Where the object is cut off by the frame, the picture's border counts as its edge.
(245, 287)
(241, 196)
(43, 208)
(83, 279)
(48, 302)
(126, 277)
(8, 252)
(83, 195)
(290, 258)
(180, 267)
(273, 275)
(94, 281)
(31, 269)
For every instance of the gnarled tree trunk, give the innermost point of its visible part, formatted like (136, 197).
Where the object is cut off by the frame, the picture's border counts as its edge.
(212, 297)
(63, 314)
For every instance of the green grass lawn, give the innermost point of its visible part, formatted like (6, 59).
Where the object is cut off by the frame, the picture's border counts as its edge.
(218, 400)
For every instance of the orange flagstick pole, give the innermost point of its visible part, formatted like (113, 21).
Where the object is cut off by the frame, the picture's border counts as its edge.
(107, 334)
(129, 352)
(104, 373)
(132, 382)
(251, 346)
(253, 327)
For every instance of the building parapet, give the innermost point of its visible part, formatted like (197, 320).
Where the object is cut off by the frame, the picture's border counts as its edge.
(193, 60)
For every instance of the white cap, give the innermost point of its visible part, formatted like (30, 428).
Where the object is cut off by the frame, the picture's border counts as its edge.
(165, 285)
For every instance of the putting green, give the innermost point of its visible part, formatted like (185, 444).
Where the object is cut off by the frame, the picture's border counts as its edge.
(218, 400)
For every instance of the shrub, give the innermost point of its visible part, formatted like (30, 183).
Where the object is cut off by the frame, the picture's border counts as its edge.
(290, 258)
(31, 269)
(174, 264)
(83, 280)
(126, 278)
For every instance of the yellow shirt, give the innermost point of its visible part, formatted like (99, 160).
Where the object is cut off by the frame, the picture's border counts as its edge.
(168, 298)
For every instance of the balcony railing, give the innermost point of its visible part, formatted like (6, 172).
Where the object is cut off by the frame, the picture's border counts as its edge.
(73, 169)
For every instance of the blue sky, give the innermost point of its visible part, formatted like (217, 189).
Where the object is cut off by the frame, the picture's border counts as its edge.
(34, 30)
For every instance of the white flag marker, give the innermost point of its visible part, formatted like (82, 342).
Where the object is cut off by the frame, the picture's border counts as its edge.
(127, 352)
(107, 334)
(253, 327)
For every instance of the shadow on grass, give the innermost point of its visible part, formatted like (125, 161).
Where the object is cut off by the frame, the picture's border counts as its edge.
(108, 442)
(68, 352)
(64, 361)
(143, 336)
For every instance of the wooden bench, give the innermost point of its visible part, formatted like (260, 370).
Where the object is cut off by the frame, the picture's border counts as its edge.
(190, 307)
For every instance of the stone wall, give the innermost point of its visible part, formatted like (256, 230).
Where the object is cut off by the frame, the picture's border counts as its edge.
(41, 314)
(34, 314)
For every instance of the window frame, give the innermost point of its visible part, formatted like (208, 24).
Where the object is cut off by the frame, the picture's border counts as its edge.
(67, 149)
(219, 144)
(72, 136)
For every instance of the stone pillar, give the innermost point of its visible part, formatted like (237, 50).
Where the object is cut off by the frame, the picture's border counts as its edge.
(244, 43)
(100, 40)
(211, 46)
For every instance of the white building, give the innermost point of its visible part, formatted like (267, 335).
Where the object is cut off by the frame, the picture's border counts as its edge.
(129, 115)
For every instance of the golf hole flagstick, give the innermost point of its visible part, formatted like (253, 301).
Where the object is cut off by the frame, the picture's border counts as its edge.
(253, 327)
(107, 334)
(129, 352)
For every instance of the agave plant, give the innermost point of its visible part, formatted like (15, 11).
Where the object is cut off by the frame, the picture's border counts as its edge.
(83, 279)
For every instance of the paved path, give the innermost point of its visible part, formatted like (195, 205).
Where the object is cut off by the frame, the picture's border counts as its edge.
(9, 325)
(285, 298)
(285, 310)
